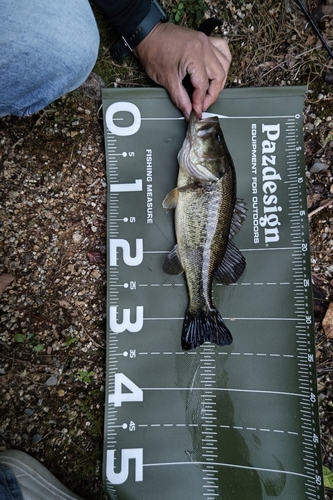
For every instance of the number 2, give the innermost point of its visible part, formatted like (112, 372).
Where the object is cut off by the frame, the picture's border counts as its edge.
(124, 245)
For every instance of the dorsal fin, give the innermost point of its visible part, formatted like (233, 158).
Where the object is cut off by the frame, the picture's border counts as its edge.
(238, 217)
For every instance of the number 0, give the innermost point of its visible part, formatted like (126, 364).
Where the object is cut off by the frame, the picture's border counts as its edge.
(123, 106)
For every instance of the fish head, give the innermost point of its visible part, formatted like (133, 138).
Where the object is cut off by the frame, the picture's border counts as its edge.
(204, 151)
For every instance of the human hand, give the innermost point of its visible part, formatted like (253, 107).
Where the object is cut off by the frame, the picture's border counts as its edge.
(169, 53)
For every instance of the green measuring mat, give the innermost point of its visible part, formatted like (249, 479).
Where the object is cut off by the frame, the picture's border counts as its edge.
(235, 422)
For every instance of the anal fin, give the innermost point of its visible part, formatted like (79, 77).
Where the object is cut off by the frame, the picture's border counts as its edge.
(232, 266)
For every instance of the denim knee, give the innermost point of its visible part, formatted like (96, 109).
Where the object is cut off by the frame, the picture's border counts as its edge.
(48, 49)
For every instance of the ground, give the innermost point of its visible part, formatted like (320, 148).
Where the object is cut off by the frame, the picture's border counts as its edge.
(52, 236)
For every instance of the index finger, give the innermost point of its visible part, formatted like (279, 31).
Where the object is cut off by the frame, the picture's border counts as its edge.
(200, 85)
(222, 46)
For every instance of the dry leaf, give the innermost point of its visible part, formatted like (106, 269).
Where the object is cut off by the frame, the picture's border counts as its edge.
(94, 257)
(5, 279)
(310, 40)
(265, 66)
(313, 199)
(317, 279)
(328, 322)
(4, 379)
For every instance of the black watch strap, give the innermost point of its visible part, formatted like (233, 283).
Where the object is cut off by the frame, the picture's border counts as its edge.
(124, 45)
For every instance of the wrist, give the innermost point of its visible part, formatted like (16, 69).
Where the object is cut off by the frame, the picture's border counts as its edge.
(145, 43)
(126, 44)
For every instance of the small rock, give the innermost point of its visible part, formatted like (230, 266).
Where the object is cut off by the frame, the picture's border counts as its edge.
(12, 195)
(51, 381)
(71, 268)
(318, 166)
(77, 237)
(37, 438)
(64, 303)
(29, 411)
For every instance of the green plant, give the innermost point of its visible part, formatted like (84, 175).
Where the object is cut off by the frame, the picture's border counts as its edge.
(328, 477)
(71, 340)
(19, 337)
(178, 12)
(29, 339)
(193, 10)
(86, 377)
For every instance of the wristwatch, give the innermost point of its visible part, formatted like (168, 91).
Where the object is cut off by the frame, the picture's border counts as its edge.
(124, 45)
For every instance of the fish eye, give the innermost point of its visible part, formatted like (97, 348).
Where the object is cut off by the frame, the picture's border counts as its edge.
(218, 137)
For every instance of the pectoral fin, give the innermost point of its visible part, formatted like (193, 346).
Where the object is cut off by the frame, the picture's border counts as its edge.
(171, 199)
(232, 266)
(172, 264)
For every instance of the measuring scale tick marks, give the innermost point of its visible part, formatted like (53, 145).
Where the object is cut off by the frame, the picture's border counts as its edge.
(204, 423)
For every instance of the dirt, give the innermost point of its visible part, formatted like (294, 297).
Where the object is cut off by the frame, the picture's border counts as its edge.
(52, 239)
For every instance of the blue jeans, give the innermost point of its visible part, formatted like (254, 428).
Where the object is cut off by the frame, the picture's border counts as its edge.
(9, 487)
(47, 48)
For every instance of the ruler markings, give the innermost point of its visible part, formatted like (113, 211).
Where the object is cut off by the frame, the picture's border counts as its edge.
(222, 464)
(208, 371)
(224, 389)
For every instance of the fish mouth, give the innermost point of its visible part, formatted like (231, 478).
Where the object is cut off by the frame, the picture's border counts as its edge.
(201, 127)
(197, 128)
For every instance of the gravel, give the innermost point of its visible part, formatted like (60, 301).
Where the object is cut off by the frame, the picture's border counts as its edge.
(52, 244)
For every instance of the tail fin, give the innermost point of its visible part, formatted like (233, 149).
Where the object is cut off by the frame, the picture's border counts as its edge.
(204, 327)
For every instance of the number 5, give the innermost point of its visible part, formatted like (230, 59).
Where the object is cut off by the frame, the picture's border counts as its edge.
(127, 454)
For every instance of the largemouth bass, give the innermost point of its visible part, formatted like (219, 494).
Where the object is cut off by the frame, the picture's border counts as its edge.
(207, 215)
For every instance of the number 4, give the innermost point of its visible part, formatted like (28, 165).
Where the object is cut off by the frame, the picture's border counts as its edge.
(119, 397)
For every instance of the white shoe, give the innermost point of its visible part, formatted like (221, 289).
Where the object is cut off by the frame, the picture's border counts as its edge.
(36, 482)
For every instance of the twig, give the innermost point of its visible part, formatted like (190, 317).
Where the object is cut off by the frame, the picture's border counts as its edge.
(323, 205)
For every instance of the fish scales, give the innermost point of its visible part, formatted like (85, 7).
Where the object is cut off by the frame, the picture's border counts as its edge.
(200, 254)
(204, 202)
